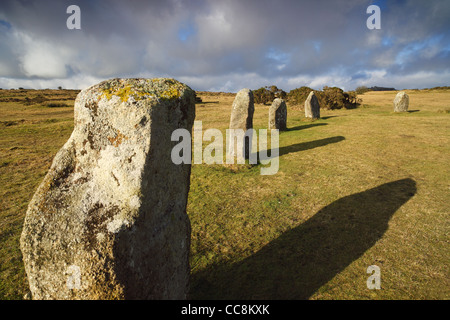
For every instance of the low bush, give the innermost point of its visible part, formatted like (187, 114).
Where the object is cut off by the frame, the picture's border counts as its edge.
(361, 89)
(330, 98)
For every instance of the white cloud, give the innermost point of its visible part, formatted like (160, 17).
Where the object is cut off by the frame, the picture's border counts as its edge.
(41, 58)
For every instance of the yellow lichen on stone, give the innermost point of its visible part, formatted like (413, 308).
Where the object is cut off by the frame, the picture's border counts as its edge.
(125, 93)
(107, 94)
(162, 88)
(171, 93)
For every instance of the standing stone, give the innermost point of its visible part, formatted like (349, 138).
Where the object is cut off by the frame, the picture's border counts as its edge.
(312, 107)
(242, 118)
(109, 219)
(401, 102)
(278, 114)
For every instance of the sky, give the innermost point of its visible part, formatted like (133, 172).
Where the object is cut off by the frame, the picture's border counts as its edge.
(226, 45)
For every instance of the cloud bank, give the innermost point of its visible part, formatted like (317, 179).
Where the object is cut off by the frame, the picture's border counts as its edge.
(226, 45)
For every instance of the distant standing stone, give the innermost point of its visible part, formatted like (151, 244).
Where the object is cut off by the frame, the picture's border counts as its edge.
(242, 118)
(278, 114)
(401, 102)
(109, 219)
(312, 107)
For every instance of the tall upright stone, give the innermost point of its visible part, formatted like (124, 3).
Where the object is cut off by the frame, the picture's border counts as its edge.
(109, 219)
(401, 102)
(278, 115)
(241, 119)
(312, 107)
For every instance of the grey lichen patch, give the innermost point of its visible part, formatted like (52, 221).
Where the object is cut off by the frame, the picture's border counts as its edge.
(63, 166)
(93, 106)
(96, 222)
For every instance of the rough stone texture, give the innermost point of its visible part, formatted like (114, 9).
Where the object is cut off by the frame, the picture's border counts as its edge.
(278, 114)
(109, 219)
(242, 115)
(401, 102)
(312, 107)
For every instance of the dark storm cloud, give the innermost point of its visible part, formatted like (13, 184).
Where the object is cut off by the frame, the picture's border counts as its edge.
(226, 44)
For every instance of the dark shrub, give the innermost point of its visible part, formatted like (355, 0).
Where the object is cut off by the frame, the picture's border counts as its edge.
(329, 98)
(299, 95)
(265, 95)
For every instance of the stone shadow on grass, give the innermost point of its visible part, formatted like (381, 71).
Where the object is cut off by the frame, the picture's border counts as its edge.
(328, 117)
(303, 259)
(207, 102)
(267, 155)
(306, 126)
(309, 145)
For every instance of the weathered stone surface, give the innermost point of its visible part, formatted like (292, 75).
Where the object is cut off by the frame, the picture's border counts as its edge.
(109, 220)
(278, 114)
(401, 102)
(242, 118)
(312, 107)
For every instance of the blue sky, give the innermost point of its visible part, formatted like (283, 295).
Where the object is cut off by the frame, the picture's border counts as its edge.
(186, 30)
(226, 45)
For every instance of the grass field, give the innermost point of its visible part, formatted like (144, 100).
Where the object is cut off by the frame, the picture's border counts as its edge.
(355, 188)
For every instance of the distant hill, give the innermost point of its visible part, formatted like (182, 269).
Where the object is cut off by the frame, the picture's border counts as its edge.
(375, 88)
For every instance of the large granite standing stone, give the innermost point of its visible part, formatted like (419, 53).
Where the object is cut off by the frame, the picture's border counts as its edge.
(401, 102)
(242, 118)
(109, 219)
(312, 107)
(278, 114)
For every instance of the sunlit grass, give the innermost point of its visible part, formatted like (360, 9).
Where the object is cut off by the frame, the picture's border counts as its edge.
(289, 235)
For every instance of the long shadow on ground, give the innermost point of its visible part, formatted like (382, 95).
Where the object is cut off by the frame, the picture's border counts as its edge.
(309, 145)
(306, 126)
(302, 146)
(300, 261)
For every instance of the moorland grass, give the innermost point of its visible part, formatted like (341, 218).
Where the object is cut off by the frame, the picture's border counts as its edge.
(355, 188)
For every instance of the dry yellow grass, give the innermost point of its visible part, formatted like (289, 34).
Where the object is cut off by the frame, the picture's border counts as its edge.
(423, 100)
(360, 161)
